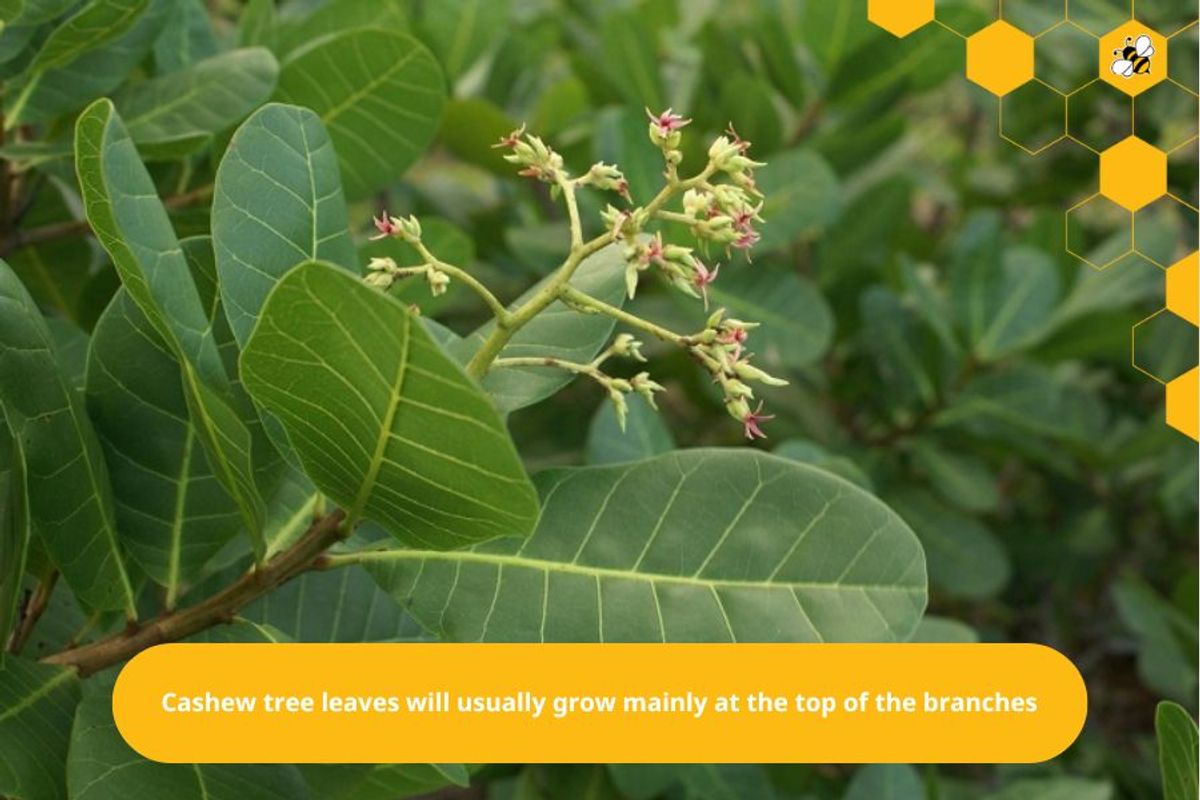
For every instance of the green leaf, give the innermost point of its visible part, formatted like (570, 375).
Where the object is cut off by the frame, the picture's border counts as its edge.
(187, 37)
(558, 331)
(132, 225)
(180, 112)
(1177, 751)
(90, 28)
(37, 704)
(797, 325)
(14, 529)
(342, 605)
(885, 782)
(103, 767)
(1054, 789)
(172, 511)
(70, 500)
(803, 197)
(942, 630)
(460, 31)
(807, 452)
(645, 434)
(1166, 639)
(45, 95)
(700, 545)
(381, 781)
(379, 93)
(278, 201)
(961, 479)
(384, 423)
(630, 57)
(335, 16)
(1005, 306)
(965, 559)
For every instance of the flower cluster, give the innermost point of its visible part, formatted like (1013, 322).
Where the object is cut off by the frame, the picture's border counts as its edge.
(721, 348)
(718, 207)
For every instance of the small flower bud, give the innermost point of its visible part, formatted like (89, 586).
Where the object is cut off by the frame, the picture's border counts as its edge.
(380, 280)
(748, 372)
(438, 281)
(627, 346)
(381, 265)
(642, 384)
(620, 406)
(410, 228)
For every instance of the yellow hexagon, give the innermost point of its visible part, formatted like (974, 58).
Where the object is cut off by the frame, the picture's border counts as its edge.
(1183, 403)
(1133, 173)
(1133, 57)
(1000, 58)
(1183, 289)
(900, 17)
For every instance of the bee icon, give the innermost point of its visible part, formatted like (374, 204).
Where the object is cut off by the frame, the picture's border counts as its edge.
(1134, 57)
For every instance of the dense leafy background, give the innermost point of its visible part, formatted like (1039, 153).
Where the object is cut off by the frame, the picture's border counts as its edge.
(945, 351)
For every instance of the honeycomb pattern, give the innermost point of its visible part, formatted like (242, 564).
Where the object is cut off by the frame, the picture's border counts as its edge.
(1118, 78)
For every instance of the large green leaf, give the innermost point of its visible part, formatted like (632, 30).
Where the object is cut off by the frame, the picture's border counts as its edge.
(380, 781)
(14, 528)
(1058, 788)
(70, 500)
(459, 31)
(1007, 305)
(172, 510)
(385, 424)
(41, 96)
(132, 225)
(631, 59)
(278, 202)
(37, 703)
(380, 94)
(103, 767)
(187, 37)
(965, 559)
(291, 31)
(93, 26)
(803, 196)
(1177, 751)
(558, 331)
(700, 545)
(885, 782)
(177, 113)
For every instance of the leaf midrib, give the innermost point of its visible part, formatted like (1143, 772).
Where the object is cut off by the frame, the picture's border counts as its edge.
(37, 694)
(385, 556)
(385, 428)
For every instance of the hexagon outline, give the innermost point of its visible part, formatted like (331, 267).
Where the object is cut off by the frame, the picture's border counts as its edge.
(1048, 145)
(1081, 257)
(986, 53)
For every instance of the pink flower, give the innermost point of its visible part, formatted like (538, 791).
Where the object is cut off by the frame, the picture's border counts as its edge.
(736, 337)
(703, 278)
(746, 239)
(752, 419)
(667, 122)
(385, 226)
(653, 254)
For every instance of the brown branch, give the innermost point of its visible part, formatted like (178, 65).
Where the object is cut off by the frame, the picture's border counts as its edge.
(221, 608)
(32, 612)
(80, 227)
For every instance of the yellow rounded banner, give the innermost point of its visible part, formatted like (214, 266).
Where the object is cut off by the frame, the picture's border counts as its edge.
(617, 703)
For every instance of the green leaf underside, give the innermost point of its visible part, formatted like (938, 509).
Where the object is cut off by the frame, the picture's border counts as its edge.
(93, 74)
(103, 767)
(386, 425)
(172, 511)
(278, 202)
(701, 545)
(178, 112)
(132, 225)
(558, 331)
(379, 93)
(70, 500)
(14, 528)
(797, 325)
(1177, 756)
(37, 703)
(91, 27)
